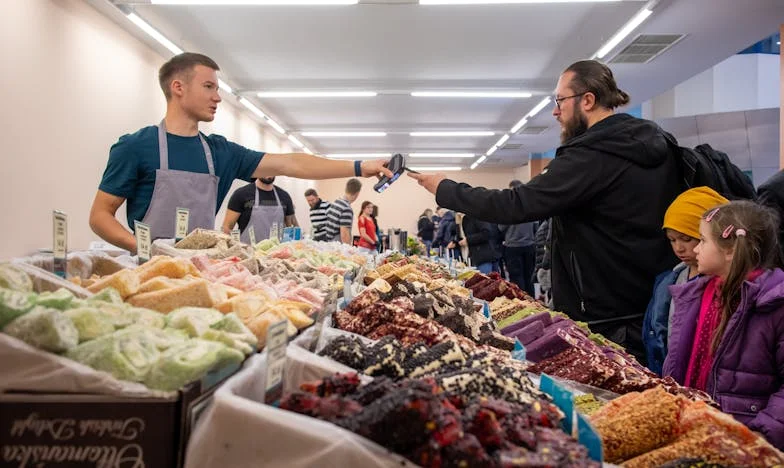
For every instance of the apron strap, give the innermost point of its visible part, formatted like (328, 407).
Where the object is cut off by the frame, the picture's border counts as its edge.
(274, 192)
(163, 149)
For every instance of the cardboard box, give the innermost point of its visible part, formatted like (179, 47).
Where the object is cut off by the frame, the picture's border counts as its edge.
(68, 430)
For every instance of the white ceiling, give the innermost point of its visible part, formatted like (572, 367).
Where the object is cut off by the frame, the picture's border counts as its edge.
(395, 47)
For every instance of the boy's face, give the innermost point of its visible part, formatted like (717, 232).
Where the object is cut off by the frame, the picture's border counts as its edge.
(683, 246)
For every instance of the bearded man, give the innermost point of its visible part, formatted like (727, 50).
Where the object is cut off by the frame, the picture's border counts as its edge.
(607, 189)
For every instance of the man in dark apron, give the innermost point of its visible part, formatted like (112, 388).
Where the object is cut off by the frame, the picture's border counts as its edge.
(260, 205)
(172, 165)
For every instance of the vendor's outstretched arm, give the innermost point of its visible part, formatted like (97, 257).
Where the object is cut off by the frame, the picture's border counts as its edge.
(306, 166)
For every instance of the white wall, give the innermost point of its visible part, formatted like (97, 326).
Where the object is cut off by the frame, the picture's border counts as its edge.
(750, 138)
(740, 83)
(72, 83)
(401, 204)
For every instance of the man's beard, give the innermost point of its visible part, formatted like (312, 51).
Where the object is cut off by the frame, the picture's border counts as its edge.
(267, 180)
(574, 127)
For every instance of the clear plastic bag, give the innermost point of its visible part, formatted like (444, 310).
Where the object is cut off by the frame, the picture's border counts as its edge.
(47, 281)
(240, 431)
(82, 264)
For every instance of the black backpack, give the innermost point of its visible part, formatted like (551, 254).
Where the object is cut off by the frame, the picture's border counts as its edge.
(704, 166)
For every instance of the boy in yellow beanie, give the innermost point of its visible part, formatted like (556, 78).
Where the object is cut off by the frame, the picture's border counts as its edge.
(682, 227)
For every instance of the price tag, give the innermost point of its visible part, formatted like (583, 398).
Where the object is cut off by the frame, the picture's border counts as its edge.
(252, 235)
(235, 235)
(588, 437)
(273, 234)
(60, 242)
(143, 241)
(327, 310)
(348, 280)
(183, 215)
(277, 340)
(562, 398)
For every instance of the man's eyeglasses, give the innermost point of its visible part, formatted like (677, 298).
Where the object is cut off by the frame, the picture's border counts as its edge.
(559, 100)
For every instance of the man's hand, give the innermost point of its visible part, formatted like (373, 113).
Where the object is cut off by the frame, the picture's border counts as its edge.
(375, 167)
(429, 181)
(451, 245)
(463, 243)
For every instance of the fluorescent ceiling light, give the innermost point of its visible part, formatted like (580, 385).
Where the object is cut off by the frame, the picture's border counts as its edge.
(478, 162)
(472, 94)
(441, 155)
(305, 149)
(225, 86)
(625, 31)
(254, 2)
(450, 134)
(491, 151)
(316, 94)
(435, 168)
(502, 140)
(249, 105)
(296, 142)
(360, 156)
(487, 2)
(519, 124)
(276, 126)
(153, 33)
(343, 134)
(538, 108)
(542, 104)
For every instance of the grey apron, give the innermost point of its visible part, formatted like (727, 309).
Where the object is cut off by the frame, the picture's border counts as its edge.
(181, 189)
(262, 218)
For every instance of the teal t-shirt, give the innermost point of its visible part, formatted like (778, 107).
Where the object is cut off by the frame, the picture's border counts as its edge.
(133, 160)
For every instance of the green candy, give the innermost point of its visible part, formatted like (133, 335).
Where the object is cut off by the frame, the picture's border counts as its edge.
(14, 304)
(60, 299)
(47, 329)
(109, 295)
(127, 354)
(190, 361)
(90, 322)
(13, 277)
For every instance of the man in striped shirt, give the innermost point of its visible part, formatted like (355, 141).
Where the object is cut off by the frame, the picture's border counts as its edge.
(340, 216)
(318, 215)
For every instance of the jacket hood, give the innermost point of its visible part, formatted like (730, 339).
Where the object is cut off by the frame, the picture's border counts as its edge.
(639, 141)
(448, 216)
(769, 290)
(766, 292)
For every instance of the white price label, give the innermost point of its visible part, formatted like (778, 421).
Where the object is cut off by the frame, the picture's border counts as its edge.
(183, 216)
(274, 234)
(235, 235)
(277, 340)
(60, 234)
(143, 241)
(252, 235)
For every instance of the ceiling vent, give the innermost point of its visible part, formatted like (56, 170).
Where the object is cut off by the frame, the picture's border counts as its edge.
(512, 146)
(532, 130)
(646, 47)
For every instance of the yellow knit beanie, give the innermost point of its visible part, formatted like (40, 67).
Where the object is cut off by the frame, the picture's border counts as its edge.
(685, 212)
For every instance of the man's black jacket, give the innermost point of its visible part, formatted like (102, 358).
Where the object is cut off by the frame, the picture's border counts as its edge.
(606, 191)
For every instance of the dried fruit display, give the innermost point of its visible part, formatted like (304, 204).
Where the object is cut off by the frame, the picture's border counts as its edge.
(435, 428)
(413, 315)
(493, 286)
(463, 374)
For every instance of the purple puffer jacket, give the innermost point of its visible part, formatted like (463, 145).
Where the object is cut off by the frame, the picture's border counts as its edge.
(747, 378)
